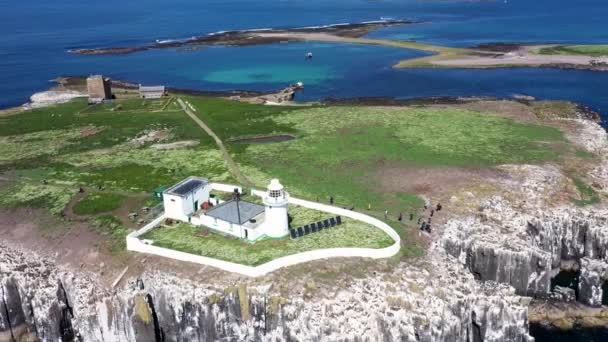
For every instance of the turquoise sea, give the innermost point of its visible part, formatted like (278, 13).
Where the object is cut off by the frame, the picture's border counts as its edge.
(36, 35)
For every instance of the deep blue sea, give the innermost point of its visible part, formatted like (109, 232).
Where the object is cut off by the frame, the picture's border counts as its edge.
(35, 35)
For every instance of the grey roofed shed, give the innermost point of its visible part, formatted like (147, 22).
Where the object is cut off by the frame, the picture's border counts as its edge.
(187, 186)
(227, 211)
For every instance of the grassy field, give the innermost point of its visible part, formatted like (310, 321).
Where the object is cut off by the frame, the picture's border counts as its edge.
(97, 203)
(53, 197)
(586, 50)
(588, 195)
(339, 149)
(188, 238)
(48, 153)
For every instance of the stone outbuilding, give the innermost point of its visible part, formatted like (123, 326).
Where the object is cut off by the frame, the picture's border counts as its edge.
(99, 88)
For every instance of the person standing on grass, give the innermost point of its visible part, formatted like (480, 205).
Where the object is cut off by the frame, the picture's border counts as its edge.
(400, 218)
(385, 214)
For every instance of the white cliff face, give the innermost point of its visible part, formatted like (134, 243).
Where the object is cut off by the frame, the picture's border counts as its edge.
(438, 302)
(527, 251)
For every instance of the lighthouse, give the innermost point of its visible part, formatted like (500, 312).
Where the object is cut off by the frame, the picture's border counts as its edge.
(276, 199)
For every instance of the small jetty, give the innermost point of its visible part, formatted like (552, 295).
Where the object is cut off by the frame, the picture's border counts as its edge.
(284, 95)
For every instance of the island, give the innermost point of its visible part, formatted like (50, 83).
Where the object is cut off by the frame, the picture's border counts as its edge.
(499, 55)
(497, 208)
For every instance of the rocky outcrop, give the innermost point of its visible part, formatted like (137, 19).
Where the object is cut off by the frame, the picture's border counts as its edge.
(438, 302)
(527, 251)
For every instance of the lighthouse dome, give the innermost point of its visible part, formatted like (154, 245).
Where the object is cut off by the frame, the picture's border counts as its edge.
(275, 185)
(275, 189)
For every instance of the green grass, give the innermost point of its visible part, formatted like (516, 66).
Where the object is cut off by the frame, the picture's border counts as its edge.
(97, 203)
(112, 229)
(187, 238)
(586, 50)
(339, 150)
(231, 119)
(57, 142)
(25, 194)
(131, 177)
(588, 196)
(35, 145)
(143, 169)
(115, 127)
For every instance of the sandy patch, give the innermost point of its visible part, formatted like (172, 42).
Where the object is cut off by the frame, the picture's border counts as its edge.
(89, 131)
(505, 108)
(518, 58)
(432, 181)
(175, 145)
(151, 136)
(52, 97)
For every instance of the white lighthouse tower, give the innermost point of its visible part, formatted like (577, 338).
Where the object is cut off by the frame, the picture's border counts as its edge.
(275, 223)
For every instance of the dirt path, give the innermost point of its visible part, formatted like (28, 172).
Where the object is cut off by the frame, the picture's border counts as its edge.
(234, 169)
(69, 209)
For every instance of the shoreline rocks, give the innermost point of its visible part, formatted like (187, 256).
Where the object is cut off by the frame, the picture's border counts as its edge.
(247, 37)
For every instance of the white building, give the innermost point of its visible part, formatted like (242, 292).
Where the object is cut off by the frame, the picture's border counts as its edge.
(185, 198)
(152, 92)
(190, 201)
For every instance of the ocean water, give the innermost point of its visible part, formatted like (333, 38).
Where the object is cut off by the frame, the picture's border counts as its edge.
(578, 334)
(36, 35)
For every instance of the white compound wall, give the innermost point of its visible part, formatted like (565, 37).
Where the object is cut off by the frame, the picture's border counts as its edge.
(137, 245)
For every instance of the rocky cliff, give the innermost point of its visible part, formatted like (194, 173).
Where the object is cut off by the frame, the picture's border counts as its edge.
(525, 236)
(528, 251)
(438, 302)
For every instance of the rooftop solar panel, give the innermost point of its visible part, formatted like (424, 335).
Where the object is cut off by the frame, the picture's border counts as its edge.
(326, 223)
(339, 219)
(332, 221)
(188, 187)
(293, 233)
(300, 232)
(306, 230)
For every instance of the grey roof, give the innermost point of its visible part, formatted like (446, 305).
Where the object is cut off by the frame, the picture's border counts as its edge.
(187, 186)
(227, 211)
